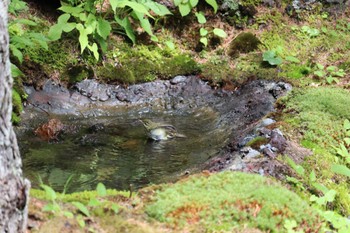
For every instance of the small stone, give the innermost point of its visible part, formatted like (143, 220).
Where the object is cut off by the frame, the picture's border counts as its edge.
(237, 164)
(252, 154)
(266, 122)
(178, 79)
(269, 153)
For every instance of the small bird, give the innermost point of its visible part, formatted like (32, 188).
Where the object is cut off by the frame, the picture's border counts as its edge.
(160, 131)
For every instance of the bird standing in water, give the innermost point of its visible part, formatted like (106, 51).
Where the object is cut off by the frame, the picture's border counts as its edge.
(160, 131)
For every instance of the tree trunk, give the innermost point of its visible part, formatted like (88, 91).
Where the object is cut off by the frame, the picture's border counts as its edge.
(14, 189)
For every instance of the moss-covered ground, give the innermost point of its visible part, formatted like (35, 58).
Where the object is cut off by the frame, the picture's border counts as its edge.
(314, 47)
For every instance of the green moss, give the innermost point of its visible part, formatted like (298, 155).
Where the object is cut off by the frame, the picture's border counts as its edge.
(318, 114)
(245, 42)
(143, 64)
(257, 142)
(227, 201)
(295, 71)
(17, 107)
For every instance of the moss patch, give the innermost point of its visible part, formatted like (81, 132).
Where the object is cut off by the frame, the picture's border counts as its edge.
(318, 115)
(227, 201)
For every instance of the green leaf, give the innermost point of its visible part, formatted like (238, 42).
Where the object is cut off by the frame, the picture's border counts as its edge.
(193, 3)
(17, 53)
(103, 28)
(320, 73)
(341, 169)
(115, 208)
(94, 49)
(329, 79)
(82, 208)
(292, 59)
(50, 193)
(184, 9)
(347, 141)
(55, 32)
(157, 8)
(71, 9)
(145, 24)
(69, 27)
(177, 2)
(137, 7)
(219, 32)
(320, 66)
(15, 72)
(25, 22)
(271, 58)
(203, 32)
(312, 176)
(213, 4)
(63, 19)
(204, 41)
(101, 190)
(331, 68)
(82, 16)
(200, 17)
(125, 23)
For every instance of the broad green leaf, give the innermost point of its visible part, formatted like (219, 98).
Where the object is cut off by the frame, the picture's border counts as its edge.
(320, 187)
(52, 207)
(82, 208)
(145, 24)
(125, 23)
(17, 53)
(200, 17)
(157, 8)
(63, 19)
(203, 32)
(219, 32)
(341, 169)
(292, 59)
(320, 66)
(50, 193)
(71, 9)
(331, 68)
(177, 2)
(94, 50)
(115, 208)
(320, 73)
(329, 79)
(271, 58)
(103, 28)
(184, 9)
(346, 124)
(82, 16)
(193, 3)
(15, 71)
(83, 38)
(204, 41)
(25, 22)
(55, 32)
(91, 22)
(102, 42)
(297, 168)
(21, 41)
(69, 27)
(213, 4)
(154, 38)
(134, 6)
(114, 4)
(101, 190)
(94, 202)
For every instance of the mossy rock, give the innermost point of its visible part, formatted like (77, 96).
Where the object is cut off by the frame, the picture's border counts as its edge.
(255, 143)
(226, 201)
(245, 42)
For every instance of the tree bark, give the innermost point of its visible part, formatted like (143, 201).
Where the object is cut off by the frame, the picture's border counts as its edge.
(14, 189)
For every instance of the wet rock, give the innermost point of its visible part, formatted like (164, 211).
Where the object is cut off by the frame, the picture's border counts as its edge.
(249, 153)
(280, 89)
(278, 141)
(267, 121)
(236, 165)
(178, 79)
(94, 90)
